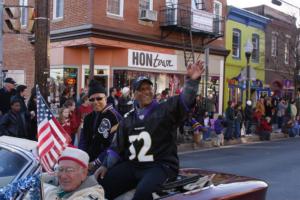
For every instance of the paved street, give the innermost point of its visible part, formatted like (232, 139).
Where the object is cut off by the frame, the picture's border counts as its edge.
(276, 162)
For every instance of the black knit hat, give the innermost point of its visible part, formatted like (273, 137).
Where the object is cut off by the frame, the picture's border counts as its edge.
(95, 87)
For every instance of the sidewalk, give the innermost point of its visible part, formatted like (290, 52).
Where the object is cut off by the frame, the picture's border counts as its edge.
(189, 146)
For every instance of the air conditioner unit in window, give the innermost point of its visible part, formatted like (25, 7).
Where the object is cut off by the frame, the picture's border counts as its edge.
(148, 15)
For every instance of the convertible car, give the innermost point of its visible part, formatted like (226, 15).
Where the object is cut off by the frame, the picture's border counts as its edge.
(19, 160)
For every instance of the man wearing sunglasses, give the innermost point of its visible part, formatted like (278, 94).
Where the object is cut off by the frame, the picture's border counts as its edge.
(71, 180)
(146, 140)
(99, 126)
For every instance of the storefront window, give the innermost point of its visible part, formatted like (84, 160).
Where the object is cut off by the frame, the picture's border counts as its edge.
(101, 75)
(60, 80)
(161, 81)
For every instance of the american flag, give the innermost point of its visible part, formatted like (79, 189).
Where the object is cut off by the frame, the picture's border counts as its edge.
(52, 138)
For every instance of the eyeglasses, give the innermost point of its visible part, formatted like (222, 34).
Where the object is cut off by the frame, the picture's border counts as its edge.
(97, 99)
(67, 170)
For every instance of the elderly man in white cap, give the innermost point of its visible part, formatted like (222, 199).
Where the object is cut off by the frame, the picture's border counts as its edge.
(72, 181)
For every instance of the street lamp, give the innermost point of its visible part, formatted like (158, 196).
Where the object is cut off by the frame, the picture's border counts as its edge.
(248, 52)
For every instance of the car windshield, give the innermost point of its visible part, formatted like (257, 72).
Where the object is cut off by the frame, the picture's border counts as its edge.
(10, 166)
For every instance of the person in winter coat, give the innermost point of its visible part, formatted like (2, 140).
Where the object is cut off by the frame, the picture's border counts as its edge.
(31, 105)
(64, 120)
(293, 111)
(72, 181)
(74, 117)
(146, 140)
(219, 127)
(229, 117)
(260, 106)
(113, 98)
(238, 118)
(5, 95)
(264, 128)
(269, 108)
(20, 95)
(99, 126)
(125, 102)
(281, 112)
(13, 123)
(248, 113)
(85, 108)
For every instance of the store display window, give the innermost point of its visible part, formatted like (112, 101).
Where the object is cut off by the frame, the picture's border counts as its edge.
(60, 80)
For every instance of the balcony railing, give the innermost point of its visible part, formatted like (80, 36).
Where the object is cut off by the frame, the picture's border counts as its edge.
(181, 16)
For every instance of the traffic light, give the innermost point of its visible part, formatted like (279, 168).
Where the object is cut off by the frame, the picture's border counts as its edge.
(277, 2)
(13, 20)
(31, 19)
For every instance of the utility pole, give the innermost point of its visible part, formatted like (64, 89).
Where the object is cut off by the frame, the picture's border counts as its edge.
(42, 40)
(1, 43)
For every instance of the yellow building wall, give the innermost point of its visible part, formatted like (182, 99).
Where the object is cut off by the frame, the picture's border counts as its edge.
(233, 66)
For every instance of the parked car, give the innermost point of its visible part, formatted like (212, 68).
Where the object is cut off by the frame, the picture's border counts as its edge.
(19, 160)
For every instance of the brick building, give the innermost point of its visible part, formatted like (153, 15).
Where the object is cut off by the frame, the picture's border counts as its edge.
(18, 52)
(280, 51)
(129, 38)
(125, 39)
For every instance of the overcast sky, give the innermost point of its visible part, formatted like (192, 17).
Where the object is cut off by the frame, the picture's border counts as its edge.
(284, 7)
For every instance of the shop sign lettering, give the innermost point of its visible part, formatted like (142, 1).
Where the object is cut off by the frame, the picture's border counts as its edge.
(151, 60)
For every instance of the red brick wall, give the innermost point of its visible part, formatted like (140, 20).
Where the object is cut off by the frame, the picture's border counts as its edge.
(18, 52)
(76, 13)
(79, 12)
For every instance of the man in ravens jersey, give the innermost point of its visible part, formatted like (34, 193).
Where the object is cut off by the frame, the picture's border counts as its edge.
(99, 126)
(146, 140)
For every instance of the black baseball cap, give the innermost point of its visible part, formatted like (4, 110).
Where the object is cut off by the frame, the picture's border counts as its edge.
(9, 80)
(138, 82)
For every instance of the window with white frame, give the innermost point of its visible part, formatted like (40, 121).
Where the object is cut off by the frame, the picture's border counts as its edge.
(24, 12)
(286, 49)
(197, 4)
(218, 16)
(274, 42)
(236, 43)
(218, 9)
(58, 9)
(146, 4)
(115, 7)
(255, 52)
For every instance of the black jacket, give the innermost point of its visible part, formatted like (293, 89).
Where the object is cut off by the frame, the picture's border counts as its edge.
(229, 114)
(13, 124)
(148, 136)
(112, 100)
(5, 97)
(248, 113)
(125, 105)
(97, 132)
(22, 101)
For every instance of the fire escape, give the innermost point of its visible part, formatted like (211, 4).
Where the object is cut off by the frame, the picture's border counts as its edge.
(197, 26)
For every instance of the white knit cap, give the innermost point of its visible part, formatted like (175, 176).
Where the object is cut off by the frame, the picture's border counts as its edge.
(76, 155)
(125, 90)
(249, 103)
